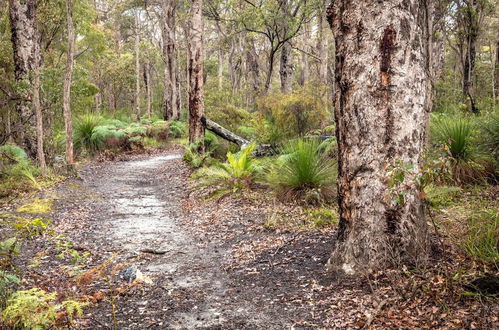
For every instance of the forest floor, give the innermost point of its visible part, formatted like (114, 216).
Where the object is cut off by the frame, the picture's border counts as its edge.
(159, 255)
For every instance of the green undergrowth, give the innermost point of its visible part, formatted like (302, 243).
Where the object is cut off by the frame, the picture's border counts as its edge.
(469, 217)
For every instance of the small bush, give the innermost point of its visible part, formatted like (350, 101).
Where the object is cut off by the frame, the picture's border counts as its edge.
(135, 129)
(83, 131)
(303, 171)
(489, 139)
(284, 116)
(107, 137)
(177, 129)
(16, 170)
(467, 164)
(239, 173)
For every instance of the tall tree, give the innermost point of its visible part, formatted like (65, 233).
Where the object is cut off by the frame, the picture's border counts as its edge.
(168, 29)
(68, 77)
(137, 63)
(381, 107)
(196, 79)
(27, 61)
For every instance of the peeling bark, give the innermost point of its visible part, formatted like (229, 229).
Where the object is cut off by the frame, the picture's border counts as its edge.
(27, 61)
(196, 92)
(381, 108)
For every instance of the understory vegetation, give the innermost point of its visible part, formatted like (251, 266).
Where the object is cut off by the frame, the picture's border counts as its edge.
(111, 80)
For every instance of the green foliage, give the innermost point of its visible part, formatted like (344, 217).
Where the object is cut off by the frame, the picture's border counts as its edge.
(239, 173)
(136, 129)
(285, 116)
(36, 206)
(15, 165)
(489, 139)
(457, 136)
(323, 217)
(83, 130)
(481, 240)
(14, 152)
(107, 137)
(440, 197)
(30, 309)
(177, 129)
(303, 171)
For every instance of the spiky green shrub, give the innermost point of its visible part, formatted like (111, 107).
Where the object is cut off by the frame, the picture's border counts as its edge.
(136, 129)
(116, 123)
(104, 137)
(457, 136)
(15, 165)
(303, 171)
(177, 129)
(238, 173)
(83, 130)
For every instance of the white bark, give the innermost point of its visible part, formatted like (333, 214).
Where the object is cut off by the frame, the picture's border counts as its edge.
(67, 84)
(27, 61)
(196, 92)
(381, 108)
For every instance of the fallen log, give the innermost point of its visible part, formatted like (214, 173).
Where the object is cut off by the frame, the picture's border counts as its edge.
(260, 150)
(224, 133)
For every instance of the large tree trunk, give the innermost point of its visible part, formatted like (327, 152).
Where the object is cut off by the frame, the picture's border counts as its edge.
(171, 92)
(137, 65)
(66, 103)
(286, 71)
(196, 82)
(381, 107)
(27, 61)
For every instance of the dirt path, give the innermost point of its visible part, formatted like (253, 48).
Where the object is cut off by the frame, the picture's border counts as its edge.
(133, 209)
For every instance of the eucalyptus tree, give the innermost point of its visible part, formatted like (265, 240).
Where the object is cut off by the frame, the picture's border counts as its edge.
(381, 109)
(278, 21)
(196, 76)
(27, 62)
(68, 77)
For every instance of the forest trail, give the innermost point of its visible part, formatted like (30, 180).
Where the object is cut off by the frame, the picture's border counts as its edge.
(134, 213)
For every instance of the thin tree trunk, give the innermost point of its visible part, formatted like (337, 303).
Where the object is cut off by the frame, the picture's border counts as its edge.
(253, 66)
(171, 91)
(196, 93)
(22, 15)
(147, 81)
(270, 71)
(496, 70)
(286, 71)
(470, 55)
(68, 76)
(381, 107)
(323, 45)
(220, 68)
(137, 65)
(305, 67)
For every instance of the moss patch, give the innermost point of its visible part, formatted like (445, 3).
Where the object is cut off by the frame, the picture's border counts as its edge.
(37, 206)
